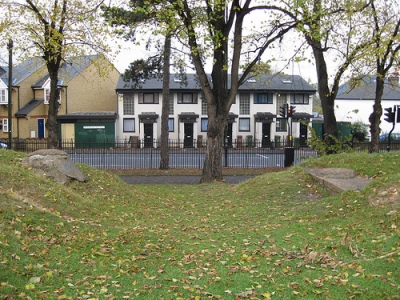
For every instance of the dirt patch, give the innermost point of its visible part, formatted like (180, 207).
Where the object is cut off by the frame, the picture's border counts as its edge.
(386, 196)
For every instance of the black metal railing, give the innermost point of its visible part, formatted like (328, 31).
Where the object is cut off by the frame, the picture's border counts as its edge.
(140, 154)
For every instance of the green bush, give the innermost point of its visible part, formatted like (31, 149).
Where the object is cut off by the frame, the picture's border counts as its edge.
(328, 145)
(359, 131)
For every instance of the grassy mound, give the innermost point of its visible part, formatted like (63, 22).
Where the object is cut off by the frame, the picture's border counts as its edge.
(274, 236)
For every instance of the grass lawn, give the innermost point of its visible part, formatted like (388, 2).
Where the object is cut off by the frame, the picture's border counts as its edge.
(276, 236)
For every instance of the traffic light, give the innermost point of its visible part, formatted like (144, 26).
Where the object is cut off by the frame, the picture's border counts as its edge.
(398, 114)
(282, 111)
(389, 114)
(291, 110)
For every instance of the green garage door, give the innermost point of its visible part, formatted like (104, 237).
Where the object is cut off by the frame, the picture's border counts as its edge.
(94, 135)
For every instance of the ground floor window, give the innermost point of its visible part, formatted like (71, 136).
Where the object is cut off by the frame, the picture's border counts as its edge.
(204, 124)
(171, 125)
(129, 125)
(5, 125)
(281, 125)
(244, 124)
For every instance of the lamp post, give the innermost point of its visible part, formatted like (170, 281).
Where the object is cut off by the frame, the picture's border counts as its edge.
(10, 81)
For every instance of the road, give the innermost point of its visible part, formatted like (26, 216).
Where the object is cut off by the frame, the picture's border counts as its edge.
(151, 159)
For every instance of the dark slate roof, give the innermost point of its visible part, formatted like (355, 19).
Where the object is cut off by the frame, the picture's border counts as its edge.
(301, 116)
(100, 115)
(23, 70)
(266, 83)
(69, 69)
(264, 116)
(188, 115)
(3, 70)
(365, 90)
(148, 115)
(31, 105)
(278, 82)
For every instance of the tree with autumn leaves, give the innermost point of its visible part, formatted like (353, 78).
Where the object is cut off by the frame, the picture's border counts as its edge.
(228, 34)
(55, 30)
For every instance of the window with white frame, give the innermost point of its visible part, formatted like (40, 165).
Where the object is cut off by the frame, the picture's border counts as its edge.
(204, 107)
(263, 98)
(171, 104)
(187, 98)
(299, 99)
(149, 98)
(204, 124)
(171, 125)
(3, 96)
(129, 125)
(244, 104)
(129, 104)
(47, 96)
(281, 125)
(5, 125)
(244, 124)
(280, 100)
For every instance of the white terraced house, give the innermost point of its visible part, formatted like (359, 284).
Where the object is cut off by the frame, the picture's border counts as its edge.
(355, 100)
(254, 117)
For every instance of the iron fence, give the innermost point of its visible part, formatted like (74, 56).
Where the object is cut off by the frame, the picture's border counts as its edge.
(140, 154)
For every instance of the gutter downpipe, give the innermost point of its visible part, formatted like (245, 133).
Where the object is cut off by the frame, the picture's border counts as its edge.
(10, 81)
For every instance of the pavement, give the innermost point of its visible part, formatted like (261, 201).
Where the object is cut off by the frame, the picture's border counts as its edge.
(338, 180)
(178, 179)
(335, 180)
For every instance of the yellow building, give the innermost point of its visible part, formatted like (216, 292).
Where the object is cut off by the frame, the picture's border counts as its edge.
(87, 94)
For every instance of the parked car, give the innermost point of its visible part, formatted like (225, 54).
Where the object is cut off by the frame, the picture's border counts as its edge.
(3, 145)
(394, 137)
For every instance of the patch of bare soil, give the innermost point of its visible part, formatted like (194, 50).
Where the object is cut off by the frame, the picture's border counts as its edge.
(386, 196)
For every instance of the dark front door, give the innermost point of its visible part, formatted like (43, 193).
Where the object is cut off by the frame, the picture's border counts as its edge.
(303, 135)
(188, 139)
(40, 128)
(148, 135)
(266, 135)
(228, 135)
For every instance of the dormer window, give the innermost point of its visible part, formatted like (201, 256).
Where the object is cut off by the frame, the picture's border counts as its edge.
(252, 80)
(3, 96)
(46, 95)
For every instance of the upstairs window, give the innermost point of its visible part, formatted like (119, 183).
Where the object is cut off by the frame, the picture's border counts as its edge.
(171, 104)
(187, 98)
(262, 98)
(3, 96)
(47, 96)
(204, 106)
(129, 104)
(244, 104)
(299, 99)
(149, 98)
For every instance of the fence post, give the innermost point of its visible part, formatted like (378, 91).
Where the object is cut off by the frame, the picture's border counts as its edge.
(289, 156)
(226, 152)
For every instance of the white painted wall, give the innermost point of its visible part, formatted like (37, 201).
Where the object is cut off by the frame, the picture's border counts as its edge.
(360, 110)
(196, 108)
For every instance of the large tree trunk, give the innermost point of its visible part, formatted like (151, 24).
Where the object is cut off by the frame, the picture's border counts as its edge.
(51, 124)
(164, 154)
(375, 117)
(326, 95)
(218, 110)
(212, 169)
